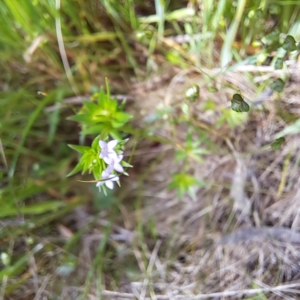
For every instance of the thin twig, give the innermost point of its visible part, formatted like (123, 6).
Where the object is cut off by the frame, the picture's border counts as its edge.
(258, 69)
(77, 100)
(42, 287)
(211, 295)
(3, 155)
(150, 267)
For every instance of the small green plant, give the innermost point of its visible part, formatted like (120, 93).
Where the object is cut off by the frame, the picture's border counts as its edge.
(192, 151)
(185, 183)
(104, 158)
(238, 104)
(276, 145)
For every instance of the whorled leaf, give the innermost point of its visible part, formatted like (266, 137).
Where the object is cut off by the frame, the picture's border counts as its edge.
(289, 43)
(278, 85)
(238, 104)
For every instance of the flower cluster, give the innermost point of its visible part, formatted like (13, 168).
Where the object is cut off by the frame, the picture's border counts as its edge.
(113, 161)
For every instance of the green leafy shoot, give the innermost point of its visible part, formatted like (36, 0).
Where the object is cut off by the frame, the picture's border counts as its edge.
(101, 114)
(104, 117)
(89, 160)
(103, 160)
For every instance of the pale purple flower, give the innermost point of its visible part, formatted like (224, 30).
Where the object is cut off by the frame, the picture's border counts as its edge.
(107, 153)
(115, 164)
(108, 180)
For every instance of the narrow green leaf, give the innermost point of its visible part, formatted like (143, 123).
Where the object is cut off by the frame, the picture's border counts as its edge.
(26, 131)
(78, 148)
(179, 14)
(289, 130)
(81, 118)
(90, 106)
(77, 169)
(92, 38)
(54, 119)
(32, 209)
(95, 129)
(226, 52)
(120, 119)
(21, 263)
(126, 164)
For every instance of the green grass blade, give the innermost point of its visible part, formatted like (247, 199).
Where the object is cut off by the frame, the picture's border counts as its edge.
(226, 53)
(26, 131)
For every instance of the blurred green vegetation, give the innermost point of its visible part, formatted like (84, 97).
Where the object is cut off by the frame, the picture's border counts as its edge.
(118, 39)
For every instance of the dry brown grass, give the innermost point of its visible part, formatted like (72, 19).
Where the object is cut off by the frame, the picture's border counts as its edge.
(194, 262)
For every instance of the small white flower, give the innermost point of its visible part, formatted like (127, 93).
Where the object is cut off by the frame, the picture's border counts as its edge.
(115, 165)
(107, 153)
(108, 180)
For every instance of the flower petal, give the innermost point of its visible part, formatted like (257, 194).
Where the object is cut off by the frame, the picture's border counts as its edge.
(102, 144)
(109, 184)
(120, 157)
(108, 170)
(118, 168)
(112, 144)
(115, 178)
(99, 183)
(113, 154)
(108, 160)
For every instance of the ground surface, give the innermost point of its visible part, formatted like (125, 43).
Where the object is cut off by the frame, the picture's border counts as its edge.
(238, 238)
